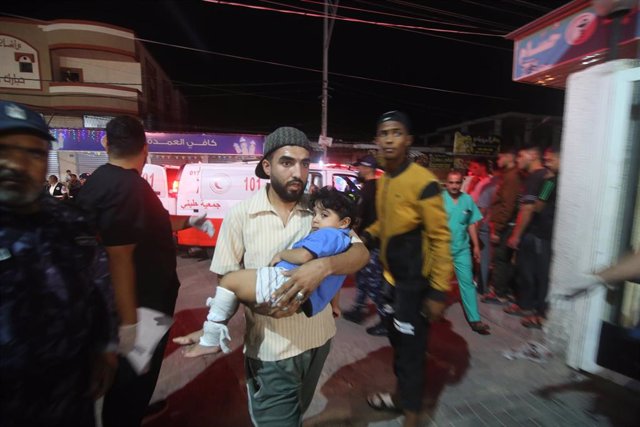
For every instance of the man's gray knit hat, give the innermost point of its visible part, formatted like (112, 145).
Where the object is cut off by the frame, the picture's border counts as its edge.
(281, 137)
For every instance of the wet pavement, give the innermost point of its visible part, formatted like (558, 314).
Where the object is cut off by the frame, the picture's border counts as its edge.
(469, 381)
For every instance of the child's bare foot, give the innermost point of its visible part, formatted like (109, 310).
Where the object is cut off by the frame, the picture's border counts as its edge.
(192, 338)
(198, 350)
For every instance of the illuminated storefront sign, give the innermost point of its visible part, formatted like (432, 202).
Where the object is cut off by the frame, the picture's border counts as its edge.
(184, 143)
(575, 38)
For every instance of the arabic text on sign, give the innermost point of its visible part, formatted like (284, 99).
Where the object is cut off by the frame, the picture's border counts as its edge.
(13, 80)
(11, 43)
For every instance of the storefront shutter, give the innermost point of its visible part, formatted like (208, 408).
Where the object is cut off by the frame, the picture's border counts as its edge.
(89, 162)
(53, 166)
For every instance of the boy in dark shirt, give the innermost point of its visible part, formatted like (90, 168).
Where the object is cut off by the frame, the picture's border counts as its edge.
(529, 162)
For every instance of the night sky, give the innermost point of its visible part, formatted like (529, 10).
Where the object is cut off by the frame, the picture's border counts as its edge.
(246, 94)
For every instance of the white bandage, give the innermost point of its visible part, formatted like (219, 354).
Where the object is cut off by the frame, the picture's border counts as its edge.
(216, 335)
(222, 306)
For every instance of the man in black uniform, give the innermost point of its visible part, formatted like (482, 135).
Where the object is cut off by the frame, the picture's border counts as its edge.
(58, 332)
(369, 279)
(137, 233)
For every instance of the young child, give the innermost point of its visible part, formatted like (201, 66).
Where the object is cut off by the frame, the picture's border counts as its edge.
(333, 216)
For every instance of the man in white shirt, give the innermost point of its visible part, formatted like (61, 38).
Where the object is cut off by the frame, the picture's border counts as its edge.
(285, 350)
(56, 188)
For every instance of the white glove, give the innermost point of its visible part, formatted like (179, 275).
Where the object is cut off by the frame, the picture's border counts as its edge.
(127, 335)
(200, 222)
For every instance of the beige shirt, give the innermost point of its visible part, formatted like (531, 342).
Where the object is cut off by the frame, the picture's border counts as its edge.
(251, 234)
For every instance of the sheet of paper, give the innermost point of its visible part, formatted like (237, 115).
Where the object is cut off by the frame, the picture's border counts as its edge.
(152, 326)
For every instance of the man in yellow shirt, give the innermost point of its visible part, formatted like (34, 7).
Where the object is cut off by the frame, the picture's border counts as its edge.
(414, 241)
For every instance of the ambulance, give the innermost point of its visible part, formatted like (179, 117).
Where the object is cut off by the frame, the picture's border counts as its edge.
(215, 188)
(163, 181)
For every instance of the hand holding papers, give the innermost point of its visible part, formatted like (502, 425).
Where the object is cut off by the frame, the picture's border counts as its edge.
(152, 326)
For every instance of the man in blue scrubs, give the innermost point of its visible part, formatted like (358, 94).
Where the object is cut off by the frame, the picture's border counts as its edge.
(463, 214)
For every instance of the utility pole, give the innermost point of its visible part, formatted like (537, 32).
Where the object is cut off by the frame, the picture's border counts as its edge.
(329, 8)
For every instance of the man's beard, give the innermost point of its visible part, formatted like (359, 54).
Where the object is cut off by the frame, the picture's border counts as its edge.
(288, 195)
(19, 195)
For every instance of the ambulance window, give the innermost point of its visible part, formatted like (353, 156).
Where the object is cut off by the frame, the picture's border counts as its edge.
(314, 179)
(346, 183)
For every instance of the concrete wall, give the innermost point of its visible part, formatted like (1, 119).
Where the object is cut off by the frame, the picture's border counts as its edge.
(127, 74)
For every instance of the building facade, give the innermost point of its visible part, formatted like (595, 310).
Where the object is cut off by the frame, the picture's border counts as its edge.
(80, 73)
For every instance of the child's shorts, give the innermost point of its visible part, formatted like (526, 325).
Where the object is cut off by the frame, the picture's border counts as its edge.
(268, 280)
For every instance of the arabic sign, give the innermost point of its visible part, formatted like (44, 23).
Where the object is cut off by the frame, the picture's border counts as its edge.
(476, 145)
(181, 143)
(19, 66)
(440, 161)
(572, 38)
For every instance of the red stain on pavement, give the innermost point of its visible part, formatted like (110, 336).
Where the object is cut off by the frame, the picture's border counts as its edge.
(217, 397)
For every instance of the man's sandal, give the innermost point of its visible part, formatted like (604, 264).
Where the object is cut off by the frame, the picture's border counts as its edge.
(531, 322)
(515, 310)
(382, 402)
(481, 328)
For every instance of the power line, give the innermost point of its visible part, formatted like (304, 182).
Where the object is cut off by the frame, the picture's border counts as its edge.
(319, 71)
(314, 14)
(499, 9)
(453, 14)
(436, 21)
(529, 5)
(393, 27)
(412, 86)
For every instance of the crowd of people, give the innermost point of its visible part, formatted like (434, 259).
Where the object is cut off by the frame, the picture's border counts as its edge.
(518, 205)
(75, 275)
(67, 189)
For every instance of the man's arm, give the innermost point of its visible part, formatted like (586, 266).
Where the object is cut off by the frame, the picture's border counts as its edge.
(547, 190)
(370, 236)
(123, 277)
(308, 276)
(295, 256)
(179, 223)
(506, 196)
(198, 221)
(527, 209)
(473, 233)
(628, 268)
(522, 222)
(438, 238)
(476, 218)
(434, 220)
(105, 359)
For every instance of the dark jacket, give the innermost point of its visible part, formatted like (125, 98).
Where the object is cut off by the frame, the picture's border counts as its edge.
(505, 202)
